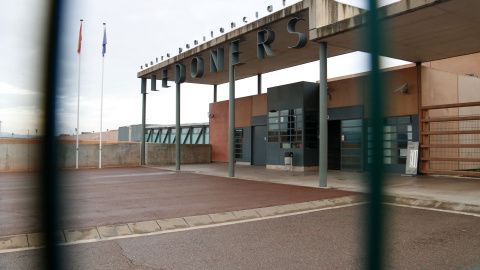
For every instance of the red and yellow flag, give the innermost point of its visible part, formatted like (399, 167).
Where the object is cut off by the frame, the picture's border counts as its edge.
(80, 40)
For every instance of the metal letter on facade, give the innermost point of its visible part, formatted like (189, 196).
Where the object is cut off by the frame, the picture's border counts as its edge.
(165, 78)
(197, 67)
(180, 73)
(154, 82)
(302, 38)
(217, 59)
(235, 53)
(263, 45)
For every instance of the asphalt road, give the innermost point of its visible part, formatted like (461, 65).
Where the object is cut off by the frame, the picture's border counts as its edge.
(328, 239)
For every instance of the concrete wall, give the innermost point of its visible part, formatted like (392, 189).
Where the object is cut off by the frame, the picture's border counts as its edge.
(24, 155)
(19, 154)
(164, 154)
(113, 155)
(111, 135)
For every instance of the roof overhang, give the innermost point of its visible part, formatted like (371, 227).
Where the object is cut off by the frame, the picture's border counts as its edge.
(413, 30)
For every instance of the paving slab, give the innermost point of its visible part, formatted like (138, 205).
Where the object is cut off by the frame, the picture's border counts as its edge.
(113, 230)
(198, 220)
(81, 234)
(305, 206)
(223, 217)
(267, 211)
(13, 241)
(246, 214)
(287, 208)
(323, 203)
(144, 227)
(172, 223)
(36, 239)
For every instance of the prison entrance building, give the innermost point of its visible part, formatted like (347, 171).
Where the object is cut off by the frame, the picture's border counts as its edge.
(329, 124)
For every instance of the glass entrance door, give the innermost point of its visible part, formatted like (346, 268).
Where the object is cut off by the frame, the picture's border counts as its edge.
(352, 145)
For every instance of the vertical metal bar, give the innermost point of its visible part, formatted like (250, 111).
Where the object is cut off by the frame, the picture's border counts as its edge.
(259, 84)
(376, 167)
(177, 129)
(204, 132)
(322, 120)
(49, 177)
(144, 114)
(231, 116)
(190, 130)
(215, 93)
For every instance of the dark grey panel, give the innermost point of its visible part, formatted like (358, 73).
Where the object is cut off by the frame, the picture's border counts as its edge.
(123, 134)
(259, 120)
(273, 153)
(137, 133)
(415, 127)
(259, 147)
(344, 113)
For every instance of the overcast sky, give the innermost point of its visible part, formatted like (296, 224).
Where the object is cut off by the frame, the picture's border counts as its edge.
(137, 33)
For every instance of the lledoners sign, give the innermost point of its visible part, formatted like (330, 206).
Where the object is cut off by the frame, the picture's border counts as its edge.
(265, 38)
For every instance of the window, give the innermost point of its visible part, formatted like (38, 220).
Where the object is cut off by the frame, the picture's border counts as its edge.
(397, 132)
(285, 127)
(239, 143)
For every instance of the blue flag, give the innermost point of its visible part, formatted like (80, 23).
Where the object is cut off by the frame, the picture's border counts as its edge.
(104, 50)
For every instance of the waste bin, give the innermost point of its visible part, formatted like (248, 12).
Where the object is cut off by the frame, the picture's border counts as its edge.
(289, 160)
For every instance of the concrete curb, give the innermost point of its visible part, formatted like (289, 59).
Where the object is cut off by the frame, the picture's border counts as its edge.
(439, 205)
(35, 240)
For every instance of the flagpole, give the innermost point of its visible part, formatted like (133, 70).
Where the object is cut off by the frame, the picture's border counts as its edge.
(78, 97)
(101, 98)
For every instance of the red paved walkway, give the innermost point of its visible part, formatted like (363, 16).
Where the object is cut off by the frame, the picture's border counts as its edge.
(120, 195)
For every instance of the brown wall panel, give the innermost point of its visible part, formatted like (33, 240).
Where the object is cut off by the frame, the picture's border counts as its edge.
(259, 105)
(466, 64)
(399, 104)
(348, 92)
(219, 131)
(396, 103)
(441, 87)
(243, 111)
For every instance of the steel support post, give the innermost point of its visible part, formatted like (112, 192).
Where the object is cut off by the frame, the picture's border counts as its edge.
(323, 118)
(375, 227)
(177, 129)
(215, 93)
(231, 119)
(259, 84)
(144, 114)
